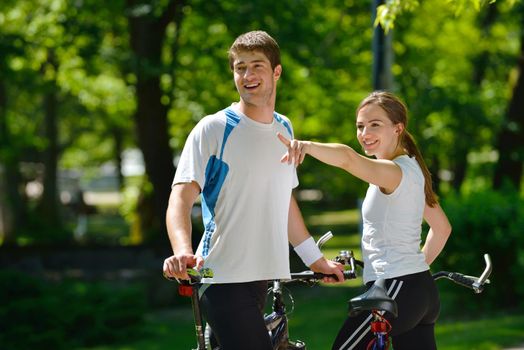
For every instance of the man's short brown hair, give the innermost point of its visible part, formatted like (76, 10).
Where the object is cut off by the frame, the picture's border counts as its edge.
(257, 40)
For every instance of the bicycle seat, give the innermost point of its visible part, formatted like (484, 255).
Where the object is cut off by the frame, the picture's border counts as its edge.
(375, 298)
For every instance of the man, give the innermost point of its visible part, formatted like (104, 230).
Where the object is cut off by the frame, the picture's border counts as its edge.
(232, 158)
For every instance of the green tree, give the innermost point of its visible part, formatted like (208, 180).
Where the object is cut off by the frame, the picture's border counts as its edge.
(148, 23)
(12, 205)
(510, 140)
(144, 72)
(62, 92)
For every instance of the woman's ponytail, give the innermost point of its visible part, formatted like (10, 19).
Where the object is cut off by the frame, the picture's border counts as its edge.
(408, 142)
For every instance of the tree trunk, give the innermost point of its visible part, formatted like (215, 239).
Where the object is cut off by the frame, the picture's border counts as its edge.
(510, 140)
(49, 205)
(459, 168)
(118, 139)
(6, 205)
(147, 35)
(382, 54)
(12, 205)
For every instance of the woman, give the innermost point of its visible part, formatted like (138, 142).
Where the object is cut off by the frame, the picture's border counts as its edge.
(399, 197)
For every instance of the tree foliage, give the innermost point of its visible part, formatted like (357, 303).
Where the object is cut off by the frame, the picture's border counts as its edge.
(388, 12)
(82, 81)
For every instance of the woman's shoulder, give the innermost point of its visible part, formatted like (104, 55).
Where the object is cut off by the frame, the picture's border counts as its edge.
(405, 161)
(409, 166)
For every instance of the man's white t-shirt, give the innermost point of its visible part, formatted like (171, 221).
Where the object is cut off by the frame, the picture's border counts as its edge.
(392, 226)
(246, 201)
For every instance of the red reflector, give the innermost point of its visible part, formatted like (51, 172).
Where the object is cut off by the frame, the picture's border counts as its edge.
(378, 327)
(185, 291)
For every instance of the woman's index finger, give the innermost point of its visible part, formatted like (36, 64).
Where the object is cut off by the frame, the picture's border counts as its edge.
(283, 139)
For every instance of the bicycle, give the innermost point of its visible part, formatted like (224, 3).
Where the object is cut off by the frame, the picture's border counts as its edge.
(375, 300)
(277, 321)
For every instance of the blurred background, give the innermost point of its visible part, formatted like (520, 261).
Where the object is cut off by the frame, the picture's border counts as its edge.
(98, 97)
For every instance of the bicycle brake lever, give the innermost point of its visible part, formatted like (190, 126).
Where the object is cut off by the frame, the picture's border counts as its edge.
(325, 237)
(478, 286)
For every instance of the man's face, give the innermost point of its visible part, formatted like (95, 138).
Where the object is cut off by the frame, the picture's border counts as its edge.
(254, 78)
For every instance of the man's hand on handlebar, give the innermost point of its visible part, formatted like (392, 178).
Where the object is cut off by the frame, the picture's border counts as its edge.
(176, 265)
(329, 267)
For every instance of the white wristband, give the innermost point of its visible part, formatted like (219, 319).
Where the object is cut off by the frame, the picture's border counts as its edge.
(308, 251)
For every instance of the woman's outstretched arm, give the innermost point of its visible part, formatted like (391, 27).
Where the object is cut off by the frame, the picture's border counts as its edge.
(381, 172)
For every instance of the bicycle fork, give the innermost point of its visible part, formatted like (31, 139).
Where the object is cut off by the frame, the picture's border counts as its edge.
(192, 291)
(277, 323)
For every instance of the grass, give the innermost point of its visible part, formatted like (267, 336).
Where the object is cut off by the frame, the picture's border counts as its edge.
(320, 310)
(490, 333)
(318, 314)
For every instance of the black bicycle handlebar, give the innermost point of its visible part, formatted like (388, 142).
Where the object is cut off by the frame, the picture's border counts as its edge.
(317, 276)
(195, 276)
(475, 283)
(347, 258)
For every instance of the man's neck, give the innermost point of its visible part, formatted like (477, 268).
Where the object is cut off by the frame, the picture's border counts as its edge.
(261, 114)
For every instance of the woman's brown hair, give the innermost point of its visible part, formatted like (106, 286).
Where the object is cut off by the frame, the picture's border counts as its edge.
(398, 113)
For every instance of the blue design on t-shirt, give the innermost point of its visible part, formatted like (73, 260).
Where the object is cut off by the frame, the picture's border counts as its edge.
(281, 120)
(216, 172)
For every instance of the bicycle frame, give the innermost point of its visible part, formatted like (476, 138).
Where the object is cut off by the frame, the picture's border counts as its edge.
(380, 327)
(192, 291)
(277, 322)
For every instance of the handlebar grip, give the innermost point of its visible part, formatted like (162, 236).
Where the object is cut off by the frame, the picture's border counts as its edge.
(312, 276)
(462, 280)
(195, 276)
(347, 275)
(192, 280)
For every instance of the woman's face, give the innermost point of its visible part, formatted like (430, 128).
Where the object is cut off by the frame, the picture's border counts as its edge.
(376, 133)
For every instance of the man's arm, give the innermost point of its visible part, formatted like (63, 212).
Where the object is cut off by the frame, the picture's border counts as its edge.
(178, 223)
(304, 245)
